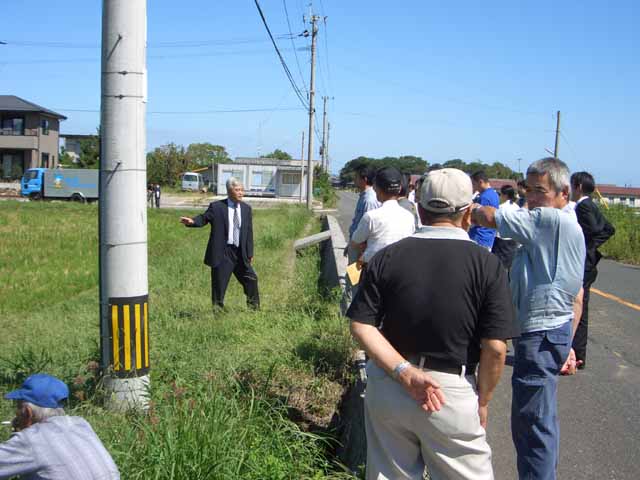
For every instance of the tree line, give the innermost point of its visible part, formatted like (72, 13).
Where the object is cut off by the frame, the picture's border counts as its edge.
(412, 165)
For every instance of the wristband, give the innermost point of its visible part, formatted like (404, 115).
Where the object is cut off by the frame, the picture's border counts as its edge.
(401, 367)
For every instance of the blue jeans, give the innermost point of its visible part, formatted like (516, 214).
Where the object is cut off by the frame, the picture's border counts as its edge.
(538, 358)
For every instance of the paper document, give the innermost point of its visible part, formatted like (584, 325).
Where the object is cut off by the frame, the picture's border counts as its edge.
(353, 272)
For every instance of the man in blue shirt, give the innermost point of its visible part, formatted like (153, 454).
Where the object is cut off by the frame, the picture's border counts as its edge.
(546, 285)
(488, 197)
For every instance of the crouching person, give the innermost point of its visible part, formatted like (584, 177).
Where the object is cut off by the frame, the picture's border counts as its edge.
(47, 444)
(433, 309)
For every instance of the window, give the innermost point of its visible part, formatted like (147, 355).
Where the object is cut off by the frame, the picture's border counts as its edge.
(237, 174)
(44, 160)
(261, 179)
(290, 178)
(190, 178)
(12, 126)
(44, 123)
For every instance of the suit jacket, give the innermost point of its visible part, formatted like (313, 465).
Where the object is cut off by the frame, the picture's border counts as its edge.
(217, 215)
(596, 229)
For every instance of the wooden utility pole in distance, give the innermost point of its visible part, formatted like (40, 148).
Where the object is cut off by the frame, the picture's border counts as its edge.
(555, 150)
(324, 133)
(314, 32)
(302, 167)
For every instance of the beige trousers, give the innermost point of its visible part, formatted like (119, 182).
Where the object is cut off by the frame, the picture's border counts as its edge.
(403, 439)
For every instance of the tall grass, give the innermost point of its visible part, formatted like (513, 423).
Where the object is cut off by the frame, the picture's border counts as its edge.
(625, 244)
(235, 394)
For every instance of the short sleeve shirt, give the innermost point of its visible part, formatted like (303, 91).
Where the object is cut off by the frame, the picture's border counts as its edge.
(383, 226)
(436, 293)
(481, 235)
(546, 274)
(366, 201)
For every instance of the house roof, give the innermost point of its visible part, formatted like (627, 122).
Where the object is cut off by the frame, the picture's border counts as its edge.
(615, 191)
(77, 136)
(11, 103)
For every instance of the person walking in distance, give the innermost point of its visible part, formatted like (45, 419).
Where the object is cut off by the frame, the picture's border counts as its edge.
(156, 194)
(230, 247)
(597, 230)
(424, 404)
(546, 286)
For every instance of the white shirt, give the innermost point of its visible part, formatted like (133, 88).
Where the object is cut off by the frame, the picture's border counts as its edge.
(232, 206)
(570, 208)
(509, 205)
(383, 226)
(584, 197)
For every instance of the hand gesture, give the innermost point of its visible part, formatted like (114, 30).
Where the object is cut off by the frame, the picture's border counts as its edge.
(569, 367)
(422, 388)
(186, 221)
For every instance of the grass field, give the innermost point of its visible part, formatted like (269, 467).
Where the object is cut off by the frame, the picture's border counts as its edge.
(625, 244)
(225, 388)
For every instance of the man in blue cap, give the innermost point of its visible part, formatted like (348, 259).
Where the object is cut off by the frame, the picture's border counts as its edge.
(47, 444)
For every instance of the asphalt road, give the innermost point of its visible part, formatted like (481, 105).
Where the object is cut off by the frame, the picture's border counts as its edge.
(599, 408)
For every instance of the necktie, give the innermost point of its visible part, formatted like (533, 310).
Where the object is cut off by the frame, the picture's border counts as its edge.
(236, 225)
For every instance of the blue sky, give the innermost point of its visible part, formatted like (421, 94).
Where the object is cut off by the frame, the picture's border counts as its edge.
(470, 80)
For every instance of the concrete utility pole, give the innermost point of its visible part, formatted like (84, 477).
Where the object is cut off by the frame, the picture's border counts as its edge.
(312, 82)
(324, 133)
(124, 310)
(555, 150)
(302, 167)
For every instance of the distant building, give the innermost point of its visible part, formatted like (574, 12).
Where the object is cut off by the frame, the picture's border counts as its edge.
(72, 145)
(28, 136)
(265, 177)
(613, 194)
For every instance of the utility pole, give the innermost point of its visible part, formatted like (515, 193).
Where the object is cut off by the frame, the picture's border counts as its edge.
(324, 133)
(124, 289)
(326, 146)
(314, 32)
(555, 150)
(302, 167)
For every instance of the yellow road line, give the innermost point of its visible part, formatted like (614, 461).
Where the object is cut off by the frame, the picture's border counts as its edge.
(616, 299)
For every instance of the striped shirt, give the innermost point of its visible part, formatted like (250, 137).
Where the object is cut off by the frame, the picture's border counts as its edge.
(383, 226)
(60, 448)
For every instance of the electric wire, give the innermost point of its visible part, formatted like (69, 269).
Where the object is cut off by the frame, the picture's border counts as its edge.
(282, 61)
(304, 84)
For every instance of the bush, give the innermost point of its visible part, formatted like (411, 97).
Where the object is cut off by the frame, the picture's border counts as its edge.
(625, 244)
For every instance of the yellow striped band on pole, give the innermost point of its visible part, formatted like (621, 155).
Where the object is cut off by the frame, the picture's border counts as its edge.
(129, 335)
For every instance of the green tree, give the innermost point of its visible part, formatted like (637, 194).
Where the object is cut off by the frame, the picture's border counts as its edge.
(65, 158)
(90, 151)
(206, 154)
(408, 164)
(166, 164)
(279, 154)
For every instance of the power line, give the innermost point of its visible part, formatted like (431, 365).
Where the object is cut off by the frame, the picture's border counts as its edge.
(286, 12)
(151, 57)
(193, 112)
(168, 44)
(284, 64)
(326, 44)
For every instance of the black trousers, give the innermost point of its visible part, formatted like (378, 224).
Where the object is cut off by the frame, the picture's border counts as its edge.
(580, 338)
(245, 274)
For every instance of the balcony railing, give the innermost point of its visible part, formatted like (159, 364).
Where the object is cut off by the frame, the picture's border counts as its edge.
(28, 132)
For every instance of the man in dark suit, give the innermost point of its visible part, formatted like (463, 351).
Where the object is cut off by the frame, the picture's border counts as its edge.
(230, 247)
(597, 230)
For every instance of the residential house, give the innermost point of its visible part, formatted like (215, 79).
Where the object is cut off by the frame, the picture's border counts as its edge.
(28, 136)
(612, 194)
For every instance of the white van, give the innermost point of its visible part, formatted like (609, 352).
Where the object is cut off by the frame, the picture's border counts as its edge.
(192, 181)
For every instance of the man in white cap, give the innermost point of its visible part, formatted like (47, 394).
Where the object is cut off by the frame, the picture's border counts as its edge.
(432, 309)
(49, 444)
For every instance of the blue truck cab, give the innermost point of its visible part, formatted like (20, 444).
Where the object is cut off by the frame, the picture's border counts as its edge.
(32, 182)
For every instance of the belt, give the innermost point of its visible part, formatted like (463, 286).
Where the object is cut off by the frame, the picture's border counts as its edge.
(425, 361)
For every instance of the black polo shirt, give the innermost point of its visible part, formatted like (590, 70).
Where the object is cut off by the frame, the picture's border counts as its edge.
(436, 293)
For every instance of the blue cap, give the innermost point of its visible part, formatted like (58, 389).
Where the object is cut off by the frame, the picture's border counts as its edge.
(42, 390)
